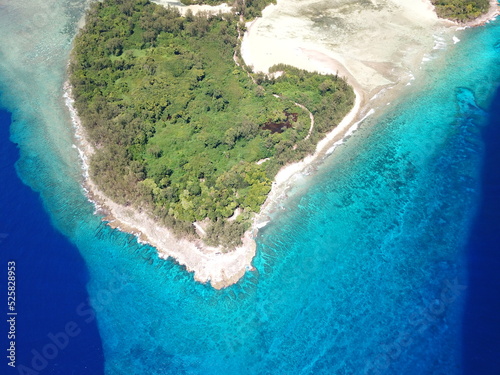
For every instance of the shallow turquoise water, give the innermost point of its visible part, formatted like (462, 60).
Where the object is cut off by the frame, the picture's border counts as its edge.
(360, 274)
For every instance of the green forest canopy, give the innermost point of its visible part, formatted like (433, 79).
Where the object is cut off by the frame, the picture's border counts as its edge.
(178, 127)
(460, 10)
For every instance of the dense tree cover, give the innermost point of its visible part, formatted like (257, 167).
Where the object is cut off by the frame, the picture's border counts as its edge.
(328, 97)
(178, 127)
(460, 10)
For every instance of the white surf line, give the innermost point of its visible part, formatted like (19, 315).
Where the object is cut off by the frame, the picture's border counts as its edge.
(349, 132)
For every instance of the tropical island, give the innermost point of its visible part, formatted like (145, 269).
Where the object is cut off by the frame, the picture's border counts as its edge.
(183, 139)
(181, 127)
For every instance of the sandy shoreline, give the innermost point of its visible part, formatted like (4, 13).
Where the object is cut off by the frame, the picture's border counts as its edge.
(195, 8)
(211, 264)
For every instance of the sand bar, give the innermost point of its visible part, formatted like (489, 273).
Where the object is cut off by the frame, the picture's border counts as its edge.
(195, 8)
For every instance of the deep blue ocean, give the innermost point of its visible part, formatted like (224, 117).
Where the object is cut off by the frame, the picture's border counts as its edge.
(51, 277)
(481, 321)
(384, 260)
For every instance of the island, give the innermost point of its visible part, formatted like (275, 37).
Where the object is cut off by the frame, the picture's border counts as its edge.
(184, 142)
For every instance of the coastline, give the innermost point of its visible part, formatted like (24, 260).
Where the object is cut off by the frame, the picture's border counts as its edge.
(211, 264)
(491, 14)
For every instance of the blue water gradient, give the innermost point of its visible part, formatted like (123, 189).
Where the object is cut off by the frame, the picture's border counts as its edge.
(481, 323)
(361, 272)
(50, 281)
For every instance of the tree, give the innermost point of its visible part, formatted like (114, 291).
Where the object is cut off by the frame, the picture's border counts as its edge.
(115, 46)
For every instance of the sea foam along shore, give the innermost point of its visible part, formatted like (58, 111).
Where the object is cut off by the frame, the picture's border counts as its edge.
(212, 264)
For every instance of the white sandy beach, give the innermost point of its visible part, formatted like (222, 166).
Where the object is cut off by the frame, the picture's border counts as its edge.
(213, 9)
(374, 47)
